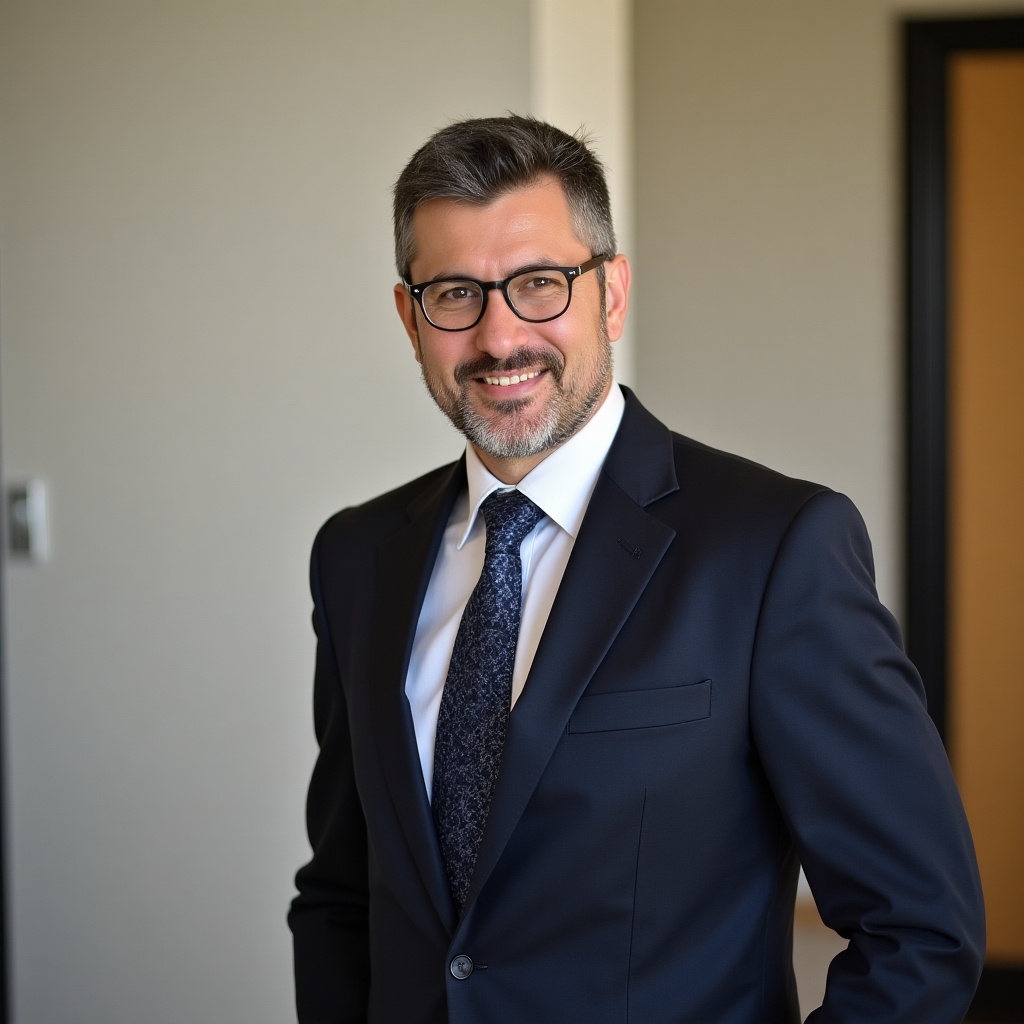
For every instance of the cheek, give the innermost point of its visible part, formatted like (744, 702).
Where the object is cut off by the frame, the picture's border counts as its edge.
(565, 334)
(435, 360)
(578, 341)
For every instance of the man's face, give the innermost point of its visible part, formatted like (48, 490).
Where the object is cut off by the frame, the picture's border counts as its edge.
(563, 366)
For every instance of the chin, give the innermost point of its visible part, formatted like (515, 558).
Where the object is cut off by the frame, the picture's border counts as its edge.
(512, 441)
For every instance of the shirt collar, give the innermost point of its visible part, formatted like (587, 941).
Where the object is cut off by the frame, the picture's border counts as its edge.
(561, 484)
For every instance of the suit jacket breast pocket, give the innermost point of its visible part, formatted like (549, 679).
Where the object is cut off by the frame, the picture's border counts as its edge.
(642, 709)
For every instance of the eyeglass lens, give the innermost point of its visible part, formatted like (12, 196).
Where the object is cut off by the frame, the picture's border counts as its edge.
(534, 295)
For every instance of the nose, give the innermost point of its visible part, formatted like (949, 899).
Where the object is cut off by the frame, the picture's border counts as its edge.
(499, 331)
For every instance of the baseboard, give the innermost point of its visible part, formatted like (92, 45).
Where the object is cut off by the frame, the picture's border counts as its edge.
(1000, 995)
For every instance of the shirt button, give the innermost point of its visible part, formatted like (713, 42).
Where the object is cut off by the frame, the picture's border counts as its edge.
(462, 967)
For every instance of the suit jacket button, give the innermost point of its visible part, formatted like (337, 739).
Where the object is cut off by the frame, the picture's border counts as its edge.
(462, 967)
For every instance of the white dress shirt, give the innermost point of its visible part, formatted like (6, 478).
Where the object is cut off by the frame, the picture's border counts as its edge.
(561, 485)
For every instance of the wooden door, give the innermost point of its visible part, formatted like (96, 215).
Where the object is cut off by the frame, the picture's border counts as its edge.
(986, 475)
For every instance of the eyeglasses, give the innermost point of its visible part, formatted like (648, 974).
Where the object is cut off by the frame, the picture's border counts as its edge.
(536, 295)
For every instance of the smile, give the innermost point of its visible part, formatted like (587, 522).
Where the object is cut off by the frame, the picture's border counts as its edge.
(504, 382)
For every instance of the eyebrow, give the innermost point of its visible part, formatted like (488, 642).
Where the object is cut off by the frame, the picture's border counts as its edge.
(537, 264)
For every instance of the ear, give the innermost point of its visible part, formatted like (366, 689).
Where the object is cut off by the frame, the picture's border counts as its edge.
(406, 306)
(617, 279)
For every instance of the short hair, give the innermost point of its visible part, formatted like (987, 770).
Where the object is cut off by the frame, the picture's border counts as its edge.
(482, 159)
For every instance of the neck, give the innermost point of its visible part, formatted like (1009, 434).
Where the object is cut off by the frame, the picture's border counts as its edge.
(511, 471)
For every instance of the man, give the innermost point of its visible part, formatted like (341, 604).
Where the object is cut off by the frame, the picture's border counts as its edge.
(705, 691)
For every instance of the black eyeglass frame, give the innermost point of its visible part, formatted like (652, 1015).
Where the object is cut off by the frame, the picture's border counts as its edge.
(486, 287)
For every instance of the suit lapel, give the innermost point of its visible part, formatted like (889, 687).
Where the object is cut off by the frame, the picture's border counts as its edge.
(618, 548)
(405, 563)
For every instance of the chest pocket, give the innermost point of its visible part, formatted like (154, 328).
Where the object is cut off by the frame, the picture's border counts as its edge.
(642, 709)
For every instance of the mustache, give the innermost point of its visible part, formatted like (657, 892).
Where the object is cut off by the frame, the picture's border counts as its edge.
(520, 359)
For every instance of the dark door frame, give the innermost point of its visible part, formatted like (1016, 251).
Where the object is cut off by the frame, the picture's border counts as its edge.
(5, 991)
(928, 47)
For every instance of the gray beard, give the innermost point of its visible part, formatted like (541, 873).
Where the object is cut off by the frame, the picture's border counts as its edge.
(513, 437)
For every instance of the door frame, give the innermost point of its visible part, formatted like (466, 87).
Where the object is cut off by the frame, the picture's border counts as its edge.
(928, 45)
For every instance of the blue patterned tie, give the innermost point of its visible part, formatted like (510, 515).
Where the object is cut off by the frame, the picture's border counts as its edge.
(478, 691)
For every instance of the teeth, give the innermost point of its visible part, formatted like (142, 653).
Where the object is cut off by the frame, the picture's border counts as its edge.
(514, 379)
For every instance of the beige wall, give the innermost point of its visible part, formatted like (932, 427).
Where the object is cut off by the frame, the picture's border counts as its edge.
(768, 236)
(200, 355)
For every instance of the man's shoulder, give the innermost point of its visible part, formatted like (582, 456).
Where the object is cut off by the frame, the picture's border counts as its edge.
(651, 459)
(720, 471)
(704, 491)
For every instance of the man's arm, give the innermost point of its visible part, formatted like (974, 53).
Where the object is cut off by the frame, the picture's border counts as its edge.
(328, 918)
(862, 779)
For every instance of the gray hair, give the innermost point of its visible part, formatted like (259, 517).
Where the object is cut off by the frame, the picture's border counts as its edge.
(480, 160)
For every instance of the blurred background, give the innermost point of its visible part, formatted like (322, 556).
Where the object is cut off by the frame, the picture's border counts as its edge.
(200, 361)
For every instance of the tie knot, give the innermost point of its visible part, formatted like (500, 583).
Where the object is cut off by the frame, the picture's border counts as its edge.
(510, 516)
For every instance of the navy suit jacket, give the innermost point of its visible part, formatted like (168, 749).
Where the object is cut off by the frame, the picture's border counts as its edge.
(717, 697)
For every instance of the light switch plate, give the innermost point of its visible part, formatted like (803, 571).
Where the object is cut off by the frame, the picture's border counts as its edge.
(27, 527)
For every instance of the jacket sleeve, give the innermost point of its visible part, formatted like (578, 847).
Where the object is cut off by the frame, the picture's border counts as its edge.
(862, 778)
(328, 917)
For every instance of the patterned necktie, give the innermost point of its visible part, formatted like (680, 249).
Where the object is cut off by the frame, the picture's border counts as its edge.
(478, 691)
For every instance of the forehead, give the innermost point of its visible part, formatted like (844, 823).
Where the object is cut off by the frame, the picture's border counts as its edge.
(530, 223)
